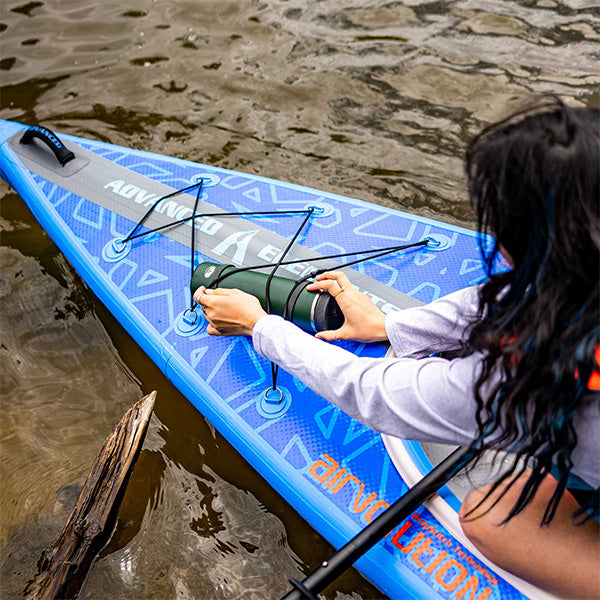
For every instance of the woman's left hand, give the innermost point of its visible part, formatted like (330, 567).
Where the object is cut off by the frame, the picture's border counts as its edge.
(229, 312)
(363, 321)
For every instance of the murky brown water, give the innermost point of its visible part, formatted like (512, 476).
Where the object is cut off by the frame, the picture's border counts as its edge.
(366, 98)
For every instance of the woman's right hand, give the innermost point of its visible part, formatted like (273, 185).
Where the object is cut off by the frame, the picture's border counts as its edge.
(363, 321)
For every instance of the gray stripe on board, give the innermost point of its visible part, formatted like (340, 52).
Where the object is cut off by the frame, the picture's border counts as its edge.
(226, 240)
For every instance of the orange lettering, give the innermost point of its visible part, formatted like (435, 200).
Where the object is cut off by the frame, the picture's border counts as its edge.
(400, 533)
(343, 482)
(457, 578)
(406, 549)
(433, 565)
(374, 508)
(471, 585)
(329, 468)
(335, 478)
(360, 507)
(424, 547)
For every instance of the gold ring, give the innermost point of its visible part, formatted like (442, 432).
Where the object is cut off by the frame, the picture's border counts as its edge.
(342, 288)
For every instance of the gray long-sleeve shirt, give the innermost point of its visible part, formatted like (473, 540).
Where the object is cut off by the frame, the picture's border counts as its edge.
(412, 396)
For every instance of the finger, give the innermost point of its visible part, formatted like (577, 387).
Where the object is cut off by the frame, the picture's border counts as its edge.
(338, 276)
(204, 301)
(341, 278)
(334, 335)
(204, 296)
(211, 299)
(224, 291)
(329, 275)
(198, 294)
(329, 285)
(328, 335)
(212, 330)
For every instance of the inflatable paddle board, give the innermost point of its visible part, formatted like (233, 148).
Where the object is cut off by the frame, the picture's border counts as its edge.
(90, 196)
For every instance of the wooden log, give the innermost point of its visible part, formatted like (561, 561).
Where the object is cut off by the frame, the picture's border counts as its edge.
(63, 566)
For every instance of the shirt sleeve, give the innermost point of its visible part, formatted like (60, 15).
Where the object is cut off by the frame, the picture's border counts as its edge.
(430, 400)
(435, 327)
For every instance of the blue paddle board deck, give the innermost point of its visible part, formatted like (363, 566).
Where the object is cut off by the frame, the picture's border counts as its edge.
(334, 471)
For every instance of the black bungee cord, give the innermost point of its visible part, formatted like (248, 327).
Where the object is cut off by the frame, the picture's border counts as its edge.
(193, 244)
(275, 367)
(195, 215)
(308, 212)
(381, 252)
(250, 213)
(131, 236)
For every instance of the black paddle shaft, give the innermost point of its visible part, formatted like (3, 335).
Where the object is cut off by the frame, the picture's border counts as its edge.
(346, 556)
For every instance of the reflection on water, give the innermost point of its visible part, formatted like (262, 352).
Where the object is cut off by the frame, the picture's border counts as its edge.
(369, 99)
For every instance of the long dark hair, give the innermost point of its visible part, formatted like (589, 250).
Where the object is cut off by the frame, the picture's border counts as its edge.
(534, 182)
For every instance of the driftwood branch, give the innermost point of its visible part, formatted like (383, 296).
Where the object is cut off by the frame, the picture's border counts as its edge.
(63, 567)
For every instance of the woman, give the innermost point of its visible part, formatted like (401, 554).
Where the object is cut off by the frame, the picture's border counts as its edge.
(526, 378)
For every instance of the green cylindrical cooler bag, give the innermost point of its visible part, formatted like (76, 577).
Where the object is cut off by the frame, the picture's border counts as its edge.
(312, 311)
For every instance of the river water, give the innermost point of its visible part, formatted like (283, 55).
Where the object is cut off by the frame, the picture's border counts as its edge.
(366, 98)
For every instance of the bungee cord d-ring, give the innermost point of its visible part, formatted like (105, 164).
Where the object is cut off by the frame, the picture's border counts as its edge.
(273, 400)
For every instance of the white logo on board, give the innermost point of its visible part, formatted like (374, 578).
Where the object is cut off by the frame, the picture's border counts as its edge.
(169, 207)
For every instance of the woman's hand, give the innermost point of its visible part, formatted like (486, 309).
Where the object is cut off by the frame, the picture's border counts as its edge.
(229, 312)
(364, 322)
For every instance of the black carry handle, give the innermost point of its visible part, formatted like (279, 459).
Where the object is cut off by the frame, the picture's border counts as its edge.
(62, 153)
(347, 555)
